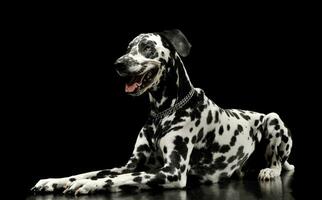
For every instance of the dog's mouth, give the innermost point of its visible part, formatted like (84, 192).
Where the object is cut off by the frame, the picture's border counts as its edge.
(135, 83)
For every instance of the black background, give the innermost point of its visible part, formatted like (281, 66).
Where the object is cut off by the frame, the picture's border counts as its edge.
(68, 107)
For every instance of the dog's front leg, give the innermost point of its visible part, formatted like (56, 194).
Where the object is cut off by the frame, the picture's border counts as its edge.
(138, 158)
(59, 184)
(176, 152)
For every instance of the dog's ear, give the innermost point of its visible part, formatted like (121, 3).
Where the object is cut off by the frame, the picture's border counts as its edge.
(178, 41)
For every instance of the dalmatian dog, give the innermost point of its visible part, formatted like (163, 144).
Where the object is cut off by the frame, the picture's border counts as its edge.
(187, 136)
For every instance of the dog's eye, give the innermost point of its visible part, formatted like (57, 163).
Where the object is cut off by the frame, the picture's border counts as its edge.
(147, 48)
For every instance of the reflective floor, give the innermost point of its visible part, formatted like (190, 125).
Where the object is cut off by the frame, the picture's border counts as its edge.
(280, 188)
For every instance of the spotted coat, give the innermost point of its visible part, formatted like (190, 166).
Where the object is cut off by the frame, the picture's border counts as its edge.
(196, 140)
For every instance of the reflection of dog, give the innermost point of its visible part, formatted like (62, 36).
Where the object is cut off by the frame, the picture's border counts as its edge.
(186, 134)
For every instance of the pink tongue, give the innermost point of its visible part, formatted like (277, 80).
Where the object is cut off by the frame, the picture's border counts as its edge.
(131, 88)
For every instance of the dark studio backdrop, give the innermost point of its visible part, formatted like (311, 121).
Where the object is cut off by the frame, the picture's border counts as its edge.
(73, 113)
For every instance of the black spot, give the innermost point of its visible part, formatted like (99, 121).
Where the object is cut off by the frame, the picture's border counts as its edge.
(175, 159)
(147, 176)
(209, 118)
(162, 53)
(277, 127)
(235, 114)
(168, 169)
(261, 118)
(157, 181)
(186, 140)
(193, 140)
(284, 138)
(273, 147)
(227, 113)
(165, 150)
(273, 122)
(252, 134)
(172, 178)
(277, 135)
(104, 173)
(143, 147)
(239, 128)
(287, 147)
(128, 188)
(240, 152)
(55, 185)
(220, 159)
(274, 163)
(221, 130)
(233, 167)
(200, 134)
(219, 165)
(196, 156)
(256, 122)
(108, 184)
(191, 129)
(180, 146)
(223, 176)
(94, 178)
(182, 168)
(210, 137)
(136, 173)
(141, 135)
(215, 147)
(228, 127)
(138, 179)
(233, 141)
(245, 116)
(270, 136)
(224, 148)
(231, 159)
(217, 116)
(197, 123)
(112, 176)
(236, 132)
(72, 179)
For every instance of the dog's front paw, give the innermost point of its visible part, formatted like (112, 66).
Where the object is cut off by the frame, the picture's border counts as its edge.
(268, 173)
(50, 185)
(84, 186)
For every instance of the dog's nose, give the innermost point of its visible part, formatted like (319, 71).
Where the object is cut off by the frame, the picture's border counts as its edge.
(120, 66)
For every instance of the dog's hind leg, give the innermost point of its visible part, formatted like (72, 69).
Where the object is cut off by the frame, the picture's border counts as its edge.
(278, 148)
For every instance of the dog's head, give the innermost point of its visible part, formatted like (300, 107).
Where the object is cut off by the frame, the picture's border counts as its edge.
(147, 58)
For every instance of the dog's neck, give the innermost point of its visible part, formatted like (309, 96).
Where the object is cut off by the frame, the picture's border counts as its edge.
(174, 85)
